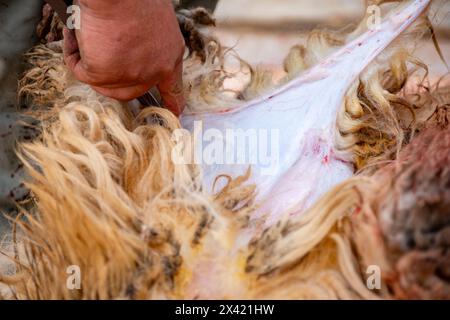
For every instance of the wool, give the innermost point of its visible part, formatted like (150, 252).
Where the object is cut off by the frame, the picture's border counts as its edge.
(107, 197)
(410, 211)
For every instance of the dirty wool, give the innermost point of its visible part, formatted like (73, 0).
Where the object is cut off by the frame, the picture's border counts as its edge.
(363, 188)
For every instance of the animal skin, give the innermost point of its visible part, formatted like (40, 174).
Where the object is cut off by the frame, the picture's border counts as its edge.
(303, 112)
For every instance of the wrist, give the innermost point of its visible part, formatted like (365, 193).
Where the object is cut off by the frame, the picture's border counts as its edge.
(105, 7)
(126, 12)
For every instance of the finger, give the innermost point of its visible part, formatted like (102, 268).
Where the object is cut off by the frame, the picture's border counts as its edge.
(171, 90)
(123, 94)
(71, 50)
(72, 56)
(73, 59)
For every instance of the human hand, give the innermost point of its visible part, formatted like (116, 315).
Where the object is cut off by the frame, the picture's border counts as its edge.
(126, 47)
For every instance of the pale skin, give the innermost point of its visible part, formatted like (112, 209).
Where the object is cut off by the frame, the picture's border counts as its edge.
(126, 47)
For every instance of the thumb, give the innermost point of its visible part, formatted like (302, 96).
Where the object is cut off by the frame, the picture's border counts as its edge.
(171, 90)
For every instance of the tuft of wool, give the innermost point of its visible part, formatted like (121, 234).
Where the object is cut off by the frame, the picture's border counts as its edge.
(408, 205)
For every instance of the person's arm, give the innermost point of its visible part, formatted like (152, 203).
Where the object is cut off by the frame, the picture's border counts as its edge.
(126, 47)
